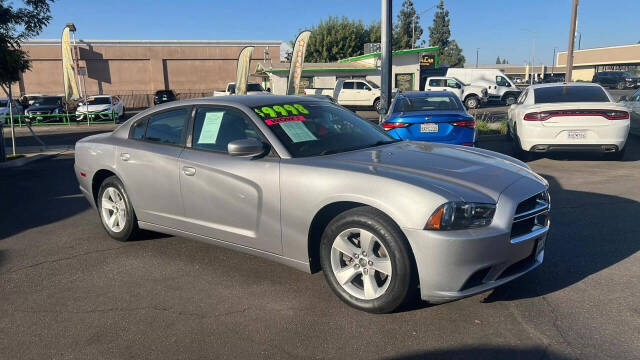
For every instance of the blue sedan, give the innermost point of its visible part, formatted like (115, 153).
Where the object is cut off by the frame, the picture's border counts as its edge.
(437, 116)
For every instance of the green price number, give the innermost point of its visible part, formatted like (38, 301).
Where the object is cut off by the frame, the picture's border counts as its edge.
(269, 112)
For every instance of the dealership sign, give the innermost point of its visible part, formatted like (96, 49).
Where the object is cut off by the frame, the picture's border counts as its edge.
(428, 61)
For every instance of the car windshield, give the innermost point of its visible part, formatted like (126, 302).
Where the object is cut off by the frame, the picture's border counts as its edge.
(372, 84)
(320, 128)
(427, 103)
(47, 101)
(562, 94)
(254, 87)
(99, 101)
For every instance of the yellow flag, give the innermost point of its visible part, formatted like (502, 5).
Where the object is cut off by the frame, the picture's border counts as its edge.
(68, 75)
(242, 73)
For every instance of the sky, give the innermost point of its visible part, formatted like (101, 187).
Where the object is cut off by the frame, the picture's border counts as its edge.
(498, 27)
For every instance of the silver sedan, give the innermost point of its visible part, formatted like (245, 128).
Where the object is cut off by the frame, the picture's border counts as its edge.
(309, 184)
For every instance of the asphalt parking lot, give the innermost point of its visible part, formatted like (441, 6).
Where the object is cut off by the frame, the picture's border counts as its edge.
(69, 291)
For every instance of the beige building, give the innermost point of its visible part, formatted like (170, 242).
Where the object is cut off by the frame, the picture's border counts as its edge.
(589, 61)
(135, 69)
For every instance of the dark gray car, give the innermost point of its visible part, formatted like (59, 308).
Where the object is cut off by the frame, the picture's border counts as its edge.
(309, 184)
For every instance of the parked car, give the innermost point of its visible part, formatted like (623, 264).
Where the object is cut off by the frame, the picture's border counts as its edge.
(163, 96)
(312, 185)
(633, 104)
(28, 99)
(436, 116)
(352, 93)
(252, 89)
(472, 96)
(568, 117)
(4, 107)
(553, 79)
(616, 80)
(100, 107)
(44, 107)
(499, 87)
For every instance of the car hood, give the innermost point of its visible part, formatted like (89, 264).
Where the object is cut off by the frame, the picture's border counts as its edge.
(469, 173)
(93, 108)
(43, 108)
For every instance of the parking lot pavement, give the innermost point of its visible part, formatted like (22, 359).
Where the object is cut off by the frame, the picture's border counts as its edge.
(68, 291)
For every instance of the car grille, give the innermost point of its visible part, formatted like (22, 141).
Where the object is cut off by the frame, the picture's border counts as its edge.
(531, 215)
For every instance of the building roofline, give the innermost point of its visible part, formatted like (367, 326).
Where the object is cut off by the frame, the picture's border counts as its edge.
(56, 42)
(397, 52)
(600, 48)
(322, 70)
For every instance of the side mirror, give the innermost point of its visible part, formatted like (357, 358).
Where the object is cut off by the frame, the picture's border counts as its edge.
(623, 98)
(246, 148)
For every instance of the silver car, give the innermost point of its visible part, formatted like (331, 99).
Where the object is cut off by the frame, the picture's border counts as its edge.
(311, 185)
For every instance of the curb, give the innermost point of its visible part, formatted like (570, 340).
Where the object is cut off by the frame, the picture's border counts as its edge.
(29, 159)
(491, 137)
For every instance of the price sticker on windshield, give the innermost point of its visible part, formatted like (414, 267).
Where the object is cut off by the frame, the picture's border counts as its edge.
(282, 111)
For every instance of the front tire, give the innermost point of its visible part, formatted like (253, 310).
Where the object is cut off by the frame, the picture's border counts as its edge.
(510, 100)
(472, 102)
(367, 260)
(377, 104)
(116, 212)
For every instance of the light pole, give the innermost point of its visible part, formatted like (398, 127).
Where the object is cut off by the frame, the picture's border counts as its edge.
(413, 25)
(579, 40)
(477, 52)
(533, 52)
(553, 67)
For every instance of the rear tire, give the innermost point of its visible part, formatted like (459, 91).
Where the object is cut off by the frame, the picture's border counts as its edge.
(115, 210)
(367, 260)
(472, 102)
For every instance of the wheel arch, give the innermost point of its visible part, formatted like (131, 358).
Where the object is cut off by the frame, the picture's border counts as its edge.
(320, 221)
(96, 181)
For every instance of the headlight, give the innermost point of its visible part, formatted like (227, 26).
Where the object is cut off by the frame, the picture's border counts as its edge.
(457, 215)
(55, 111)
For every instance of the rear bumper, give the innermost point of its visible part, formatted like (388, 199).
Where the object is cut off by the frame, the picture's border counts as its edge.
(536, 137)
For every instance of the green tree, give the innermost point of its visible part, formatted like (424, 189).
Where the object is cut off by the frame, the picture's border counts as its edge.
(403, 30)
(498, 60)
(336, 38)
(504, 61)
(16, 26)
(374, 32)
(439, 35)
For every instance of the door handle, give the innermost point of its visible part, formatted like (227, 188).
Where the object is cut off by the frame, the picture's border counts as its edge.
(188, 170)
(125, 156)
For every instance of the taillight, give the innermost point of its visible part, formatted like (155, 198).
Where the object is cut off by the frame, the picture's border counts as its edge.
(466, 123)
(607, 114)
(393, 125)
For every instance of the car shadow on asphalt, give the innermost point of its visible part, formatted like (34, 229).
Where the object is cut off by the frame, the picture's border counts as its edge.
(589, 232)
(481, 352)
(502, 145)
(37, 194)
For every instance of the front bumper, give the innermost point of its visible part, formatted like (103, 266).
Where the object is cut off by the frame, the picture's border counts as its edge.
(456, 264)
(96, 115)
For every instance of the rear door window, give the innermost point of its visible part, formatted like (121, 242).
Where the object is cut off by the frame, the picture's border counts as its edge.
(560, 94)
(168, 127)
(435, 82)
(348, 85)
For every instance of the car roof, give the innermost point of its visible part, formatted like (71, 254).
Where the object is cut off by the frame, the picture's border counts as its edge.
(538, 86)
(97, 96)
(257, 100)
(426, 93)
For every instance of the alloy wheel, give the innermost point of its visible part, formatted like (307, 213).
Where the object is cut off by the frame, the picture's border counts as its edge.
(361, 263)
(114, 209)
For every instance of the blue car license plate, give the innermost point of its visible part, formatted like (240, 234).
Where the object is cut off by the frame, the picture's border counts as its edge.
(429, 127)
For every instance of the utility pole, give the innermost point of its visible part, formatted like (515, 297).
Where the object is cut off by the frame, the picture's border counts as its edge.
(553, 67)
(477, 52)
(385, 57)
(572, 39)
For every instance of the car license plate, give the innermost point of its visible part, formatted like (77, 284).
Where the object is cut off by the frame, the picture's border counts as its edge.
(429, 128)
(576, 135)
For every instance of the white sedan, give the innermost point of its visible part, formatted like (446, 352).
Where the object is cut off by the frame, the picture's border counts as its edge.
(568, 117)
(102, 107)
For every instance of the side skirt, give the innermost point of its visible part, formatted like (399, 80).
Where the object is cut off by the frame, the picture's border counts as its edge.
(299, 265)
